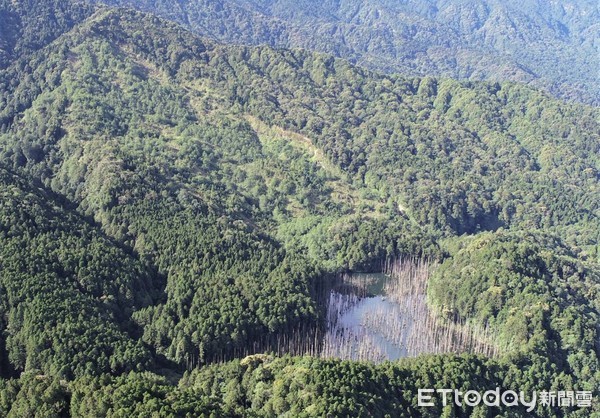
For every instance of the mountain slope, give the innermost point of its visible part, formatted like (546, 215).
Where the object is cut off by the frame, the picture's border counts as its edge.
(521, 138)
(548, 45)
(68, 291)
(141, 131)
(27, 26)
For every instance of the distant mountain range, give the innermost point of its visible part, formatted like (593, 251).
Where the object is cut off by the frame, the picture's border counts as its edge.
(551, 45)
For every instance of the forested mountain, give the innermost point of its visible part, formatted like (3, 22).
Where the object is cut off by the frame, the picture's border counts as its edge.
(547, 44)
(168, 201)
(68, 291)
(27, 26)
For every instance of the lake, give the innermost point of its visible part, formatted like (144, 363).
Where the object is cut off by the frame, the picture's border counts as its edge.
(379, 317)
(359, 310)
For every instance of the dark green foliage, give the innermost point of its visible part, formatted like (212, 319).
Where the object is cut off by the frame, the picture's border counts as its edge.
(137, 395)
(27, 26)
(307, 387)
(67, 290)
(264, 386)
(34, 396)
(538, 294)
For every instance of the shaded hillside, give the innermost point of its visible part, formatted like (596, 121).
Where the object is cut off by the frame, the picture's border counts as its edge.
(68, 291)
(27, 26)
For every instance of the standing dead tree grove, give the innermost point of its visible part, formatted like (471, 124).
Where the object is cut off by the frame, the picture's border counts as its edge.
(406, 323)
(396, 323)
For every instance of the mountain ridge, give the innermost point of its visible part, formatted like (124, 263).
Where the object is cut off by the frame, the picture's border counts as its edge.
(447, 39)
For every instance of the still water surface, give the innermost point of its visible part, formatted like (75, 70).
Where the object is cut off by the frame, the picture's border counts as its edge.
(359, 313)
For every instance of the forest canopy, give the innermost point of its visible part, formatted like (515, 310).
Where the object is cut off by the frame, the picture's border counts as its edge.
(168, 203)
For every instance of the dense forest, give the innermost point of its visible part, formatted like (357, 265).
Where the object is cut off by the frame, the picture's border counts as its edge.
(170, 206)
(546, 44)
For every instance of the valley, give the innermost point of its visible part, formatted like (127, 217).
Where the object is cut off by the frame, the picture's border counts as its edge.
(191, 227)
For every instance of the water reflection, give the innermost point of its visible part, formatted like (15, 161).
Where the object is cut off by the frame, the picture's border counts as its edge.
(379, 317)
(352, 332)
